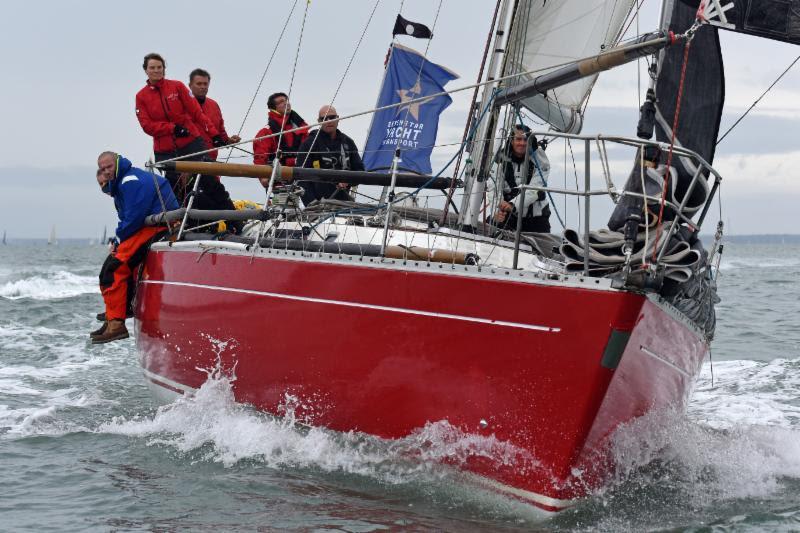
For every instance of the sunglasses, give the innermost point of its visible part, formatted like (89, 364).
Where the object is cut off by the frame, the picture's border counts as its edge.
(327, 117)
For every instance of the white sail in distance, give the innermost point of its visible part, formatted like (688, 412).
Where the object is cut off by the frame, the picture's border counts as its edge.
(549, 32)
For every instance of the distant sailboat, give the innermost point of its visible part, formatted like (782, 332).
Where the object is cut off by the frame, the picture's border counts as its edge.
(104, 240)
(4, 238)
(52, 239)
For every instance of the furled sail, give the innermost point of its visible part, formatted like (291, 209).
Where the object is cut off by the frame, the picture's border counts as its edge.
(773, 19)
(549, 32)
(700, 113)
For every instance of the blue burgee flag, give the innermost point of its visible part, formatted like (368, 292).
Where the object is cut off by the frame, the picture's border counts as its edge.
(412, 127)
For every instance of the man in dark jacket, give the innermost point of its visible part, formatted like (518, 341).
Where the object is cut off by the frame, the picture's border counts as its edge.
(137, 194)
(328, 148)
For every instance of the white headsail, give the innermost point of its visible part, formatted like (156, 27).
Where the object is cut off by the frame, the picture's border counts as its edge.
(549, 32)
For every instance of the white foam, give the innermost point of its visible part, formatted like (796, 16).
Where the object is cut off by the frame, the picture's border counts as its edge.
(54, 285)
(41, 414)
(748, 393)
(222, 431)
(739, 439)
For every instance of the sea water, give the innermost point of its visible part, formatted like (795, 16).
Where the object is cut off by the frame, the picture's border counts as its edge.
(83, 446)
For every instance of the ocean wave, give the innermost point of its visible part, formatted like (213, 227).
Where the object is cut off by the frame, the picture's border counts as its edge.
(748, 393)
(739, 441)
(42, 412)
(50, 286)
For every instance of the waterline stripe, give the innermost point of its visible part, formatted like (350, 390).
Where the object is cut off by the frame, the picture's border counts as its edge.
(362, 306)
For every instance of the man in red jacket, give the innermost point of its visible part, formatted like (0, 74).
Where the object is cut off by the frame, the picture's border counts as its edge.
(199, 82)
(280, 117)
(168, 112)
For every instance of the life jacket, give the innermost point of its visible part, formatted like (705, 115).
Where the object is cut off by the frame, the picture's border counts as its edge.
(289, 142)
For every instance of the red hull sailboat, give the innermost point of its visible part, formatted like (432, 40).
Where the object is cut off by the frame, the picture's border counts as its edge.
(551, 368)
(384, 318)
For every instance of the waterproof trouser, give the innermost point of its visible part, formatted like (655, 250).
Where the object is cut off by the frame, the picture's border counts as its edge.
(116, 276)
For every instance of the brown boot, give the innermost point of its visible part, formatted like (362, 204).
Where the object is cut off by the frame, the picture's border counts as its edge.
(99, 331)
(115, 331)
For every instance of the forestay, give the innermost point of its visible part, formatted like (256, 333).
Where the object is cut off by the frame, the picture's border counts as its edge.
(550, 33)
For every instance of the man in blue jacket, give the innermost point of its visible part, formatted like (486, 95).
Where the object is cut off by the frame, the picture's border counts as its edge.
(137, 194)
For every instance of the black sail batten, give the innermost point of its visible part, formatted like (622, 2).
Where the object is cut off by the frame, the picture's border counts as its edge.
(700, 115)
(778, 20)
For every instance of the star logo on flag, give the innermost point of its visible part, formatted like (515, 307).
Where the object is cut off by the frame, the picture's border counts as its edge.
(407, 95)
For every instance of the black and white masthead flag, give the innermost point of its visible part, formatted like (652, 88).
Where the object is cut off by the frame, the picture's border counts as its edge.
(414, 29)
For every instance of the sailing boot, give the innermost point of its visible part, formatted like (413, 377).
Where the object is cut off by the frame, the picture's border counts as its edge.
(99, 331)
(115, 331)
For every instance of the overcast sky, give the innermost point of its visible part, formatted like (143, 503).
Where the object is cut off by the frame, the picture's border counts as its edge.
(72, 70)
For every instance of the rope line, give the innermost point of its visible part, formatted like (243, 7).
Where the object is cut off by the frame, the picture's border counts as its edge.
(264, 75)
(754, 104)
(291, 79)
(665, 188)
(414, 100)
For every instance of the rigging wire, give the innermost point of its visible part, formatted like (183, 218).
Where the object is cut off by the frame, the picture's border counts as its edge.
(452, 188)
(294, 70)
(264, 74)
(391, 106)
(346, 71)
(754, 104)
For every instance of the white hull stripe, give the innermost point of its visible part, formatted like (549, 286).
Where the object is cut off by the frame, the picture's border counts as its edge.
(657, 357)
(361, 306)
(170, 384)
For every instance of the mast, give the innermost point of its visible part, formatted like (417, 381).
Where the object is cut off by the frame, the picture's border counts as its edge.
(478, 160)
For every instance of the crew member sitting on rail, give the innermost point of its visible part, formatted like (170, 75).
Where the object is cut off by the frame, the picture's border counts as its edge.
(535, 208)
(280, 117)
(137, 194)
(328, 148)
(199, 82)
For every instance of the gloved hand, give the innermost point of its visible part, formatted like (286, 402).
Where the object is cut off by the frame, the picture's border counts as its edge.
(180, 131)
(218, 141)
(113, 243)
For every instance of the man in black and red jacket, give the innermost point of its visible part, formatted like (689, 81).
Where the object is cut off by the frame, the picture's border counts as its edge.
(280, 117)
(199, 82)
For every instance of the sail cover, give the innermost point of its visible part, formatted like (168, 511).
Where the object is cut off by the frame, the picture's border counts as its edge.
(773, 19)
(548, 33)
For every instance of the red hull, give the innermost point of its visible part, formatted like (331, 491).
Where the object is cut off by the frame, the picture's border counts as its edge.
(383, 350)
